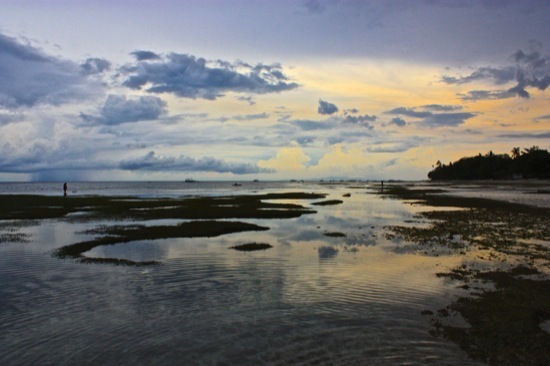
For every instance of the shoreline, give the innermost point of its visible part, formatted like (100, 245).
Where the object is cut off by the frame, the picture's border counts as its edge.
(506, 299)
(527, 191)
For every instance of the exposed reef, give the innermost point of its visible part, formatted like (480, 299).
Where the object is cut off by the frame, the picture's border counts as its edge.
(93, 208)
(208, 215)
(504, 318)
(125, 234)
(249, 247)
(327, 203)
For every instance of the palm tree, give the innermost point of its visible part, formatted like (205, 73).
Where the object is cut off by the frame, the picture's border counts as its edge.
(531, 149)
(516, 151)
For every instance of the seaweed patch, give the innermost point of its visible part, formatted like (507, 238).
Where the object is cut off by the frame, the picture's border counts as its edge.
(249, 247)
(505, 307)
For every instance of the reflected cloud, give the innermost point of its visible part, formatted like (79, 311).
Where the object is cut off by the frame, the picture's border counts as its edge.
(327, 252)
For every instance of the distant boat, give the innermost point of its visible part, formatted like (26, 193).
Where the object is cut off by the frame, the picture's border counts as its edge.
(237, 185)
(188, 180)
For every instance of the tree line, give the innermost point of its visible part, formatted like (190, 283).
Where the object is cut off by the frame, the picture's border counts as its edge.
(528, 163)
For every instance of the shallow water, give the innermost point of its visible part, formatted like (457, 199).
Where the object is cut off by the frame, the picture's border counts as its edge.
(526, 192)
(146, 189)
(311, 299)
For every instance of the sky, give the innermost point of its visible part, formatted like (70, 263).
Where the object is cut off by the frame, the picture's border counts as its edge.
(269, 90)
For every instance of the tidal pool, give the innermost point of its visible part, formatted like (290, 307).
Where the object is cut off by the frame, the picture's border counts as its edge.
(310, 299)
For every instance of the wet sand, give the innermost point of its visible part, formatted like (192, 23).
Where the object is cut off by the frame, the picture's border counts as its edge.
(505, 320)
(529, 192)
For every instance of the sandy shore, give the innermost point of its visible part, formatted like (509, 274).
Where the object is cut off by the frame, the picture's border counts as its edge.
(510, 243)
(527, 192)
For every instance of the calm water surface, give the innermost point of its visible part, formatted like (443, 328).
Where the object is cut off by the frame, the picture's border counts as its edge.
(310, 299)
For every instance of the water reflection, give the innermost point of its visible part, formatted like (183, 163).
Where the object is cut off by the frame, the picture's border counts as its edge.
(327, 252)
(309, 299)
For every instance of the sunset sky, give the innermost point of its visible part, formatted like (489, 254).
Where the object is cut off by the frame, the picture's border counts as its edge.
(258, 89)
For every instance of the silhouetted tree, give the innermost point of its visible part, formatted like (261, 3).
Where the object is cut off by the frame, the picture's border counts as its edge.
(532, 163)
(532, 149)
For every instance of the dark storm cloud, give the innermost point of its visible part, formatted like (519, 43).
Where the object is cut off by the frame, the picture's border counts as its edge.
(428, 115)
(531, 70)
(309, 125)
(23, 52)
(527, 135)
(336, 140)
(145, 55)
(409, 112)
(251, 117)
(249, 100)
(475, 95)
(542, 118)
(152, 162)
(187, 76)
(441, 107)
(447, 119)
(117, 109)
(358, 120)
(94, 66)
(533, 60)
(519, 90)
(29, 77)
(525, 81)
(498, 76)
(398, 121)
(326, 107)
(335, 122)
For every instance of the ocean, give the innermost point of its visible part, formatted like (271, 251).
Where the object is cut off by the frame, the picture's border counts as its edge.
(146, 189)
(310, 299)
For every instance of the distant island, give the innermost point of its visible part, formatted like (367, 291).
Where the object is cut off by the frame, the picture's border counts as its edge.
(530, 163)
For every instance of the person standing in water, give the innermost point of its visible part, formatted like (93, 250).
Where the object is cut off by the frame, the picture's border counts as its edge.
(65, 188)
